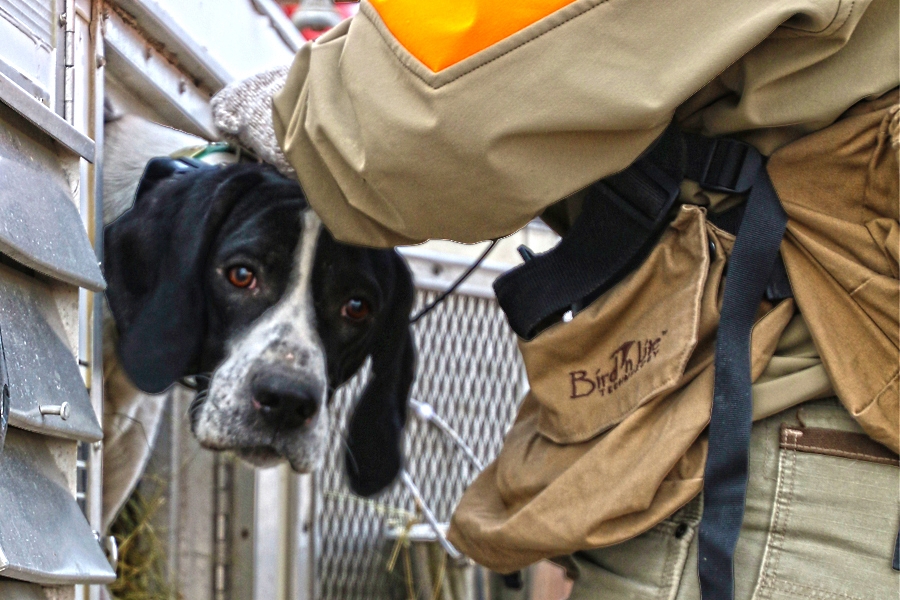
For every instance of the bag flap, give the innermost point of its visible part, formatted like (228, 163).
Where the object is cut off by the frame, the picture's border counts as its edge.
(629, 345)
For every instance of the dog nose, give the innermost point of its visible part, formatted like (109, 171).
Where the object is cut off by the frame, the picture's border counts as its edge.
(284, 401)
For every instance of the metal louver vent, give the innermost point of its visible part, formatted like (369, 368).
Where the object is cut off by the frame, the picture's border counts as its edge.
(41, 228)
(35, 16)
(41, 369)
(44, 537)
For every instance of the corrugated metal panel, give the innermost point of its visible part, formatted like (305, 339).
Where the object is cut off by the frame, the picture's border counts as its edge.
(44, 537)
(41, 227)
(36, 16)
(42, 368)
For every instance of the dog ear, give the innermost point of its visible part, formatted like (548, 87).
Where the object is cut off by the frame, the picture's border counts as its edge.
(374, 454)
(157, 170)
(155, 255)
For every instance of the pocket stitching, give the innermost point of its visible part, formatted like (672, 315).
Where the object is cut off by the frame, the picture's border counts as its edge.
(780, 518)
(832, 25)
(818, 594)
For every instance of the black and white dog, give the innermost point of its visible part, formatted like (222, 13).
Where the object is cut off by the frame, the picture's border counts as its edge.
(224, 273)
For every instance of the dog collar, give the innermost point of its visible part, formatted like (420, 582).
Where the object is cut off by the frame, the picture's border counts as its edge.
(215, 154)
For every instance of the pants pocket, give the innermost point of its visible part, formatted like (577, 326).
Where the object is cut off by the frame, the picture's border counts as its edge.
(646, 567)
(834, 522)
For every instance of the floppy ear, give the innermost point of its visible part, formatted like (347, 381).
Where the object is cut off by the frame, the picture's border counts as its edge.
(374, 454)
(155, 254)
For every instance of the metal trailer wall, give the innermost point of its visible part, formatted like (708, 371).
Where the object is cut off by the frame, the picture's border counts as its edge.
(51, 73)
(53, 59)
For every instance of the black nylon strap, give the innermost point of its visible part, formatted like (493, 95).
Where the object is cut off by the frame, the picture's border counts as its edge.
(779, 286)
(621, 219)
(749, 269)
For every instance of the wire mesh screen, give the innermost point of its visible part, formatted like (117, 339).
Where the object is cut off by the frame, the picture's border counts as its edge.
(469, 370)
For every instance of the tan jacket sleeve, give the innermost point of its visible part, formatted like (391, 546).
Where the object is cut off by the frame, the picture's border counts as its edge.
(392, 153)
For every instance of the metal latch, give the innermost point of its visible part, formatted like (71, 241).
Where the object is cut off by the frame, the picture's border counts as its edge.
(110, 548)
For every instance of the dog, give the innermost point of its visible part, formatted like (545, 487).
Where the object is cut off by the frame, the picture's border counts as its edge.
(224, 273)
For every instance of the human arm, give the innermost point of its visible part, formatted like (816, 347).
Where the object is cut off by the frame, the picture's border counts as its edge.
(390, 152)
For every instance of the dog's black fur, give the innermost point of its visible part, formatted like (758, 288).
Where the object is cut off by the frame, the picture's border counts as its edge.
(178, 315)
(373, 455)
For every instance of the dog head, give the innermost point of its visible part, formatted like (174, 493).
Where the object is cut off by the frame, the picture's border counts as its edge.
(224, 272)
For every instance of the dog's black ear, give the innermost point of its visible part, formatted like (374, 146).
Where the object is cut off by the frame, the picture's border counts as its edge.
(155, 254)
(157, 170)
(374, 454)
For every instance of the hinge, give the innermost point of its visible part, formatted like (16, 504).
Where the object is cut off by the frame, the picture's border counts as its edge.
(67, 19)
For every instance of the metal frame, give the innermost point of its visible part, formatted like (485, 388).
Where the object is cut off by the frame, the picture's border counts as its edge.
(40, 94)
(282, 25)
(191, 56)
(141, 67)
(93, 302)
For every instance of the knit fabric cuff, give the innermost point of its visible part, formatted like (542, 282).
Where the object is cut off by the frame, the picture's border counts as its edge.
(242, 112)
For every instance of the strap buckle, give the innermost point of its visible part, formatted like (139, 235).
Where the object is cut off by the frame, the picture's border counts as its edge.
(731, 166)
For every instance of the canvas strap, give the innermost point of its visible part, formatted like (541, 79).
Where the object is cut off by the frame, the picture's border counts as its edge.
(621, 220)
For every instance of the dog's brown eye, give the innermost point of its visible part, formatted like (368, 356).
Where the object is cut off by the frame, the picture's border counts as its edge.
(355, 309)
(241, 277)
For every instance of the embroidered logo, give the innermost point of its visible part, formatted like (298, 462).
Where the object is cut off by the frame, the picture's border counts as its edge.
(625, 362)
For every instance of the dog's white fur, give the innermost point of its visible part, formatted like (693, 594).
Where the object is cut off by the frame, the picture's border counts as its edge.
(284, 336)
(129, 143)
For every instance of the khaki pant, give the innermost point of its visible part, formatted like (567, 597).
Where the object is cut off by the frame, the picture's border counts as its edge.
(816, 526)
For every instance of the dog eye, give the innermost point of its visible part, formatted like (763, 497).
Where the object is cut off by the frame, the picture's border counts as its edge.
(355, 309)
(242, 277)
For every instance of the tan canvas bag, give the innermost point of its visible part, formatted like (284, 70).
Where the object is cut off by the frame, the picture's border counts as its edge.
(840, 189)
(608, 441)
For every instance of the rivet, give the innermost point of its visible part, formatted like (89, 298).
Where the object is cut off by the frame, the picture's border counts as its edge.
(61, 410)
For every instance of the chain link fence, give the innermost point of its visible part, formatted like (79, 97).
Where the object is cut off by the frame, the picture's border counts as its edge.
(470, 371)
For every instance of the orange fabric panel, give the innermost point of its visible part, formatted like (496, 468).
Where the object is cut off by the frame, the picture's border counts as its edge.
(440, 33)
